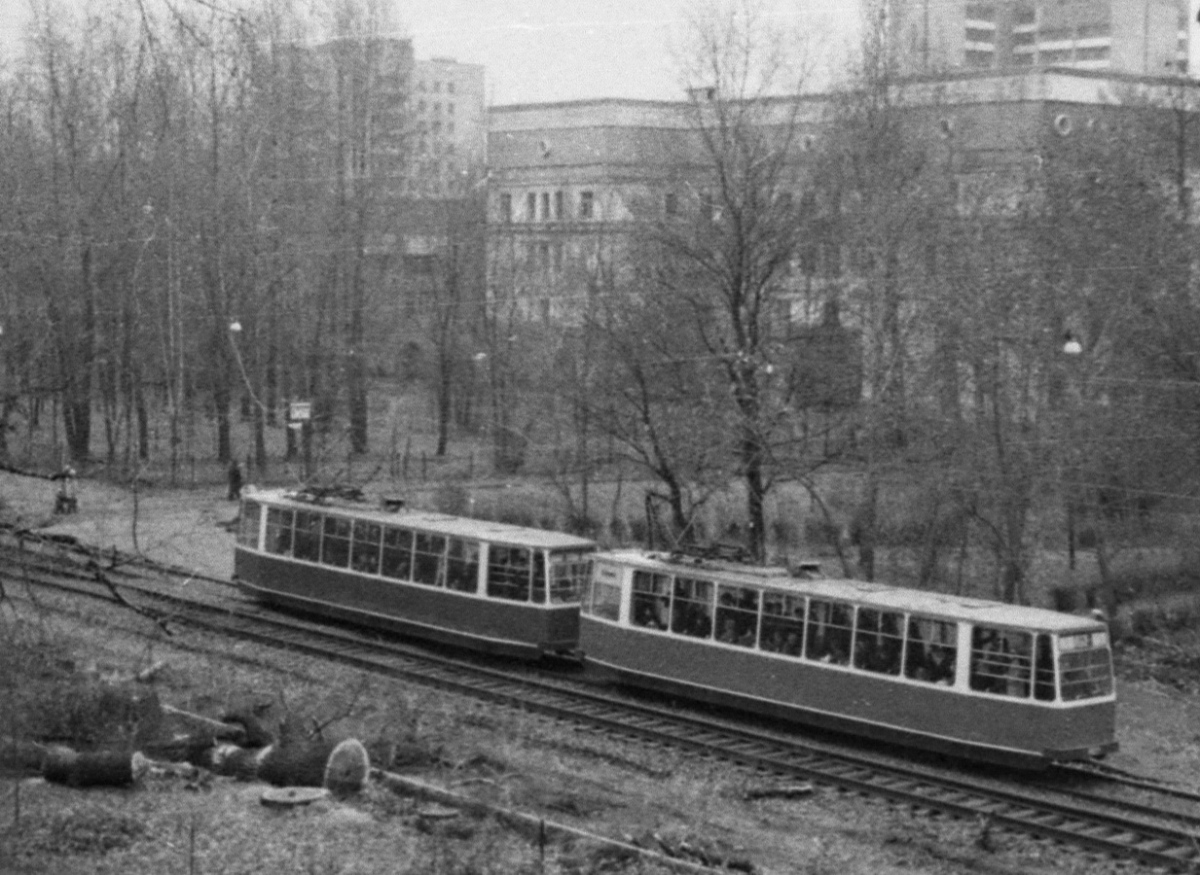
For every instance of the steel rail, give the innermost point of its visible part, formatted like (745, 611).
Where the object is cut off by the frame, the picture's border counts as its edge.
(1088, 826)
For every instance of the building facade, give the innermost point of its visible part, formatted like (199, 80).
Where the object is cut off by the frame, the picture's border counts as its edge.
(571, 184)
(1144, 37)
(446, 103)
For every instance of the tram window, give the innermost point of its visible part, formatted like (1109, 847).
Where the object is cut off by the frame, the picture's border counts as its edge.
(691, 609)
(364, 554)
(1043, 669)
(539, 577)
(878, 641)
(462, 565)
(508, 573)
(829, 628)
(782, 623)
(651, 600)
(307, 544)
(248, 521)
(569, 573)
(1085, 666)
(397, 553)
(932, 651)
(279, 531)
(429, 559)
(335, 546)
(737, 615)
(1001, 661)
(604, 600)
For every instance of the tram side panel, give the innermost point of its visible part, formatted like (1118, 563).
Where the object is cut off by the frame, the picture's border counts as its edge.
(432, 612)
(931, 716)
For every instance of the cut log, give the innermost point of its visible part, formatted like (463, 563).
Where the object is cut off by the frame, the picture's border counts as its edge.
(21, 757)
(341, 767)
(103, 768)
(231, 731)
(233, 761)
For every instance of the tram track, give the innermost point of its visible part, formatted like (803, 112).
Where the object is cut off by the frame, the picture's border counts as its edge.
(1051, 810)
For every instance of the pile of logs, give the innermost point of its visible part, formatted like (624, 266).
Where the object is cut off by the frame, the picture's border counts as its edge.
(236, 746)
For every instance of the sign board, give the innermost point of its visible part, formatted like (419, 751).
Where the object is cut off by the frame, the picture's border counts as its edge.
(300, 411)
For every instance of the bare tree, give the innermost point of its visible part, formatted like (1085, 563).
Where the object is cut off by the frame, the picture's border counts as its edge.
(724, 251)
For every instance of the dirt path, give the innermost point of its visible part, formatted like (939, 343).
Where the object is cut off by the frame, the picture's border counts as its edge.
(180, 527)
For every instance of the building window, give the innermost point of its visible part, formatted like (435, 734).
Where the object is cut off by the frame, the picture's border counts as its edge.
(437, 107)
(437, 87)
(1092, 53)
(671, 204)
(506, 212)
(979, 35)
(559, 206)
(1095, 31)
(531, 207)
(419, 265)
(450, 87)
(545, 206)
(450, 108)
(420, 106)
(981, 12)
(587, 205)
(1056, 34)
(979, 59)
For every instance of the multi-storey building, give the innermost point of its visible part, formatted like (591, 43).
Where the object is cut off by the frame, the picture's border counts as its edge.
(403, 140)
(422, 123)
(450, 125)
(570, 183)
(1146, 37)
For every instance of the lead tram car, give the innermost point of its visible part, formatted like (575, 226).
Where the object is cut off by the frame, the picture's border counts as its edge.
(971, 678)
(472, 583)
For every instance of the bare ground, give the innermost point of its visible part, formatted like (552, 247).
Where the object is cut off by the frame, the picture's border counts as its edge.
(616, 789)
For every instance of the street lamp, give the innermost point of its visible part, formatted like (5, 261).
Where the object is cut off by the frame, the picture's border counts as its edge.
(1072, 349)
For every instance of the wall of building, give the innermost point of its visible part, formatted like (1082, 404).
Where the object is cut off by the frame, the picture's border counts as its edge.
(990, 129)
(1145, 37)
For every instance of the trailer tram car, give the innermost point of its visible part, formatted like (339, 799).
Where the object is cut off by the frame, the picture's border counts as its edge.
(966, 677)
(471, 583)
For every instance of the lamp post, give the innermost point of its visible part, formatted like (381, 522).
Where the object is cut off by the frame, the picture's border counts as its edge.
(1072, 349)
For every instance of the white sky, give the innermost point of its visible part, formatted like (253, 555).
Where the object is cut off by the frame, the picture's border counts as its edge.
(545, 50)
(540, 50)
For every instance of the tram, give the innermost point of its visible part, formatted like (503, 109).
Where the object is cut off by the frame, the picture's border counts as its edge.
(471, 583)
(966, 677)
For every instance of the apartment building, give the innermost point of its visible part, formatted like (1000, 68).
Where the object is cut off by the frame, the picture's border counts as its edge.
(1143, 37)
(446, 103)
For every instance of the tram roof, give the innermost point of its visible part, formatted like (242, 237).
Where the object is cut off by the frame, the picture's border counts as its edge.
(442, 523)
(881, 595)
